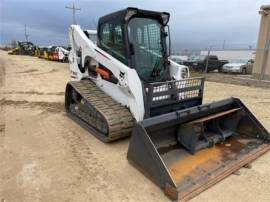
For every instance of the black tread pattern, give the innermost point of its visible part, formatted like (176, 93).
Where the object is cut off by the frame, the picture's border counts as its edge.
(119, 120)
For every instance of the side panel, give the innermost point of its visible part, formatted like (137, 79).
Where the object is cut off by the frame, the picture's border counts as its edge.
(128, 91)
(177, 70)
(143, 154)
(129, 88)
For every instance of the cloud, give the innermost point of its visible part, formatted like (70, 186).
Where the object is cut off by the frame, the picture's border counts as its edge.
(194, 24)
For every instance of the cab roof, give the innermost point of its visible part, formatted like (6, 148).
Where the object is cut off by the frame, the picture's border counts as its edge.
(125, 14)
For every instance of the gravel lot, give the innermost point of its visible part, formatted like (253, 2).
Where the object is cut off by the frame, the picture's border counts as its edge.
(45, 156)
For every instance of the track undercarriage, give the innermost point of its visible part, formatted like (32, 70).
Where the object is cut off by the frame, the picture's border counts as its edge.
(95, 111)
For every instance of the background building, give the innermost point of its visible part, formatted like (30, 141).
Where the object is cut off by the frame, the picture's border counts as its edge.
(261, 67)
(231, 54)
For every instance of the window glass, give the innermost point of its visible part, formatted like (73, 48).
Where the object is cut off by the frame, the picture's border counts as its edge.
(145, 36)
(105, 34)
(112, 40)
(212, 58)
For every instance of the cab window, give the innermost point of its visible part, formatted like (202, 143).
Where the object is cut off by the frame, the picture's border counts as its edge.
(112, 40)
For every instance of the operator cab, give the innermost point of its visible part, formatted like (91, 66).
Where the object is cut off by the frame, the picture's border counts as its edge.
(137, 38)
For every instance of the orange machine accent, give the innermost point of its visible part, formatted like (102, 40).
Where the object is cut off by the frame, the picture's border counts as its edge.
(103, 73)
(55, 56)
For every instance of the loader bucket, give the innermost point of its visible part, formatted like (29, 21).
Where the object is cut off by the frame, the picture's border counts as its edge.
(187, 151)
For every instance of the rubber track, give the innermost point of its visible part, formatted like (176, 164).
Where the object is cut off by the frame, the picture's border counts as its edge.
(119, 120)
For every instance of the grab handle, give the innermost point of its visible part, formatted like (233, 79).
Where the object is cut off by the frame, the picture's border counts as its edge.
(179, 113)
(207, 106)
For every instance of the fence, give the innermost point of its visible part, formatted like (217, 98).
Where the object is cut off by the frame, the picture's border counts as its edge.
(260, 58)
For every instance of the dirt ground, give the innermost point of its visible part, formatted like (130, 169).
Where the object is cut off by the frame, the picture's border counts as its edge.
(45, 156)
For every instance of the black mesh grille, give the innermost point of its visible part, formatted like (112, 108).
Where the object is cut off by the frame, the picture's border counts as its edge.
(174, 91)
(165, 97)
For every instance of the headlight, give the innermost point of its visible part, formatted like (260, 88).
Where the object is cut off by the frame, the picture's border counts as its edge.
(184, 73)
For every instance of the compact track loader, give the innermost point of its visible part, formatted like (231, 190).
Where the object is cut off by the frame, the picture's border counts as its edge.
(125, 84)
(23, 48)
(60, 54)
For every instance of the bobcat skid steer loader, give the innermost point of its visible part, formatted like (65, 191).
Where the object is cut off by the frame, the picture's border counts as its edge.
(125, 84)
(60, 54)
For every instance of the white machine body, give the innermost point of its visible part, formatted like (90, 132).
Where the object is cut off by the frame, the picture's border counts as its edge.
(62, 53)
(128, 90)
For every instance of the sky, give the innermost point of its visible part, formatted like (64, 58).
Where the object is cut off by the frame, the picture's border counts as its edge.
(194, 24)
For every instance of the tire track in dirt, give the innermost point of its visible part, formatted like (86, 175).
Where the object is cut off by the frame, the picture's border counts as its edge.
(32, 93)
(2, 73)
(53, 107)
(2, 112)
(89, 165)
(31, 72)
(2, 124)
(27, 71)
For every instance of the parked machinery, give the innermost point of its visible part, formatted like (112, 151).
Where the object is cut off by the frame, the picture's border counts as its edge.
(23, 48)
(37, 51)
(50, 52)
(126, 84)
(46, 51)
(60, 54)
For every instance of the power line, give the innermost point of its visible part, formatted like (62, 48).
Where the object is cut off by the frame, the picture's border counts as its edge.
(74, 9)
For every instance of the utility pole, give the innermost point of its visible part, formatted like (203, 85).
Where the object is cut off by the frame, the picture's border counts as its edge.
(25, 33)
(223, 45)
(74, 9)
(207, 60)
